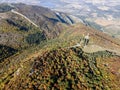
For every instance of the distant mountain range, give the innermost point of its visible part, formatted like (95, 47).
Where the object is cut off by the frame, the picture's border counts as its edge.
(99, 14)
(18, 21)
(102, 15)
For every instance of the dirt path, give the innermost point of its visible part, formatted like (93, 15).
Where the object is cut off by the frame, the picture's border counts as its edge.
(13, 11)
(93, 48)
(96, 48)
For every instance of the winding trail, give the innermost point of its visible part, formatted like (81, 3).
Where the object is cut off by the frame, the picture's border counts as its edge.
(13, 11)
(95, 48)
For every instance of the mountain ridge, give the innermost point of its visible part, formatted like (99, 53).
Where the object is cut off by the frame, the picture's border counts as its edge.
(16, 20)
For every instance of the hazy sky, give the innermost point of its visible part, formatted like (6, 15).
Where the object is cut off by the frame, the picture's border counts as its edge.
(38, 1)
(22, 1)
(51, 3)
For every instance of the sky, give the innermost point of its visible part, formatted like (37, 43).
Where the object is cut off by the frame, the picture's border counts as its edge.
(54, 3)
(21, 1)
(39, 1)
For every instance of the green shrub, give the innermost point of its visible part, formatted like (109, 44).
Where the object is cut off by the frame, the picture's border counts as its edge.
(35, 38)
(6, 52)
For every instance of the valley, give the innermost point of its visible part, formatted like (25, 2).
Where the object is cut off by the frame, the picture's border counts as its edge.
(101, 15)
